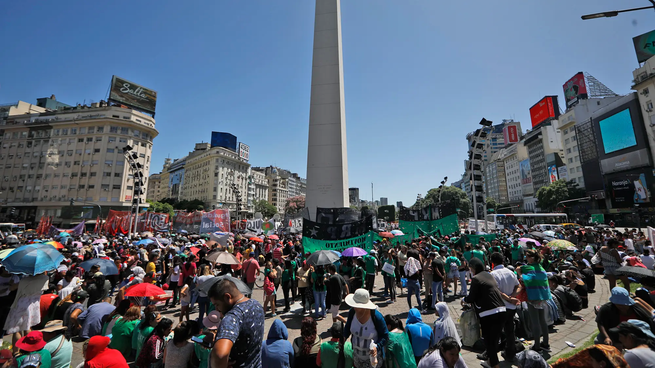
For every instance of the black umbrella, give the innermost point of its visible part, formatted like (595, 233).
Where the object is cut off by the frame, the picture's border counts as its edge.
(243, 288)
(322, 258)
(636, 272)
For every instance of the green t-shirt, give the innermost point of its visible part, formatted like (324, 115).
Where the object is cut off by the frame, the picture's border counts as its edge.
(516, 252)
(467, 255)
(315, 278)
(121, 336)
(46, 358)
(449, 261)
(202, 353)
(139, 337)
(330, 354)
(479, 255)
(370, 264)
(399, 353)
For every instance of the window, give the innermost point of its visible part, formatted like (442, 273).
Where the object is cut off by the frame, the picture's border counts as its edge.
(91, 129)
(91, 186)
(110, 150)
(98, 139)
(566, 131)
(74, 175)
(572, 170)
(72, 186)
(96, 150)
(129, 187)
(109, 162)
(80, 140)
(125, 130)
(113, 129)
(568, 150)
(104, 186)
(87, 151)
(55, 187)
(117, 175)
(73, 131)
(567, 141)
(114, 199)
(116, 186)
(82, 130)
(108, 174)
(81, 186)
(93, 173)
(142, 155)
(99, 129)
(85, 163)
(122, 140)
(112, 139)
(69, 152)
(570, 160)
(76, 163)
(136, 133)
(89, 139)
(94, 162)
(83, 175)
(78, 151)
(573, 139)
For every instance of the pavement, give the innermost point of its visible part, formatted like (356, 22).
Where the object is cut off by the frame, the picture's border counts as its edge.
(575, 331)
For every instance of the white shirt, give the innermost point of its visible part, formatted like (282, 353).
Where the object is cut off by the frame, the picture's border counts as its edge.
(175, 276)
(629, 244)
(506, 281)
(648, 261)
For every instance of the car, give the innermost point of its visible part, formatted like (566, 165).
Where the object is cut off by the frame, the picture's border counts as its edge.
(601, 226)
(570, 225)
(544, 227)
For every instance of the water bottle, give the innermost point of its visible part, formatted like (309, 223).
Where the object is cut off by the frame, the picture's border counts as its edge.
(374, 358)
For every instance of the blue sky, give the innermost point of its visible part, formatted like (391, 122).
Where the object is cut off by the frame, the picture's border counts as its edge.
(419, 74)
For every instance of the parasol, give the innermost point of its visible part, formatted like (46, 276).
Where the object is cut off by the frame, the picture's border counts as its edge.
(322, 257)
(354, 252)
(33, 259)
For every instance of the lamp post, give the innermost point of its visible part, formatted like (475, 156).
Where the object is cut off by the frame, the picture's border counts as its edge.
(474, 155)
(137, 174)
(614, 13)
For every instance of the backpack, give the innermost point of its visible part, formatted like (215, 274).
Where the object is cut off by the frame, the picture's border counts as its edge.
(573, 300)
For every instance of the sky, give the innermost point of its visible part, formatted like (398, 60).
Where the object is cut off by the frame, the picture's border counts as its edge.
(418, 74)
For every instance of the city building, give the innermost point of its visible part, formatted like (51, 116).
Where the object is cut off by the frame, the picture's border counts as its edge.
(258, 186)
(155, 187)
(399, 204)
(514, 155)
(495, 178)
(545, 151)
(52, 158)
(297, 185)
(280, 182)
(174, 175)
(644, 83)
(384, 201)
(353, 196)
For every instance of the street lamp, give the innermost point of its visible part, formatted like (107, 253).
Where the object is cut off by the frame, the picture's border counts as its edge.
(614, 13)
(475, 155)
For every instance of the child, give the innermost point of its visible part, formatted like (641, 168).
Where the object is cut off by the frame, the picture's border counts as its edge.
(269, 291)
(185, 298)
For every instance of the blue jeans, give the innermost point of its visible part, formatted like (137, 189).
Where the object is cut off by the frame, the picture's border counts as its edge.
(203, 306)
(413, 288)
(462, 282)
(319, 301)
(437, 292)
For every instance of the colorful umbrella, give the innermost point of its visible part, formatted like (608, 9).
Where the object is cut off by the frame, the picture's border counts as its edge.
(64, 234)
(5, 252)
(354, 252)
(550, 233)
(99, 241)
(145, 290)
(194, 250)
(33, 259)
(144, 242)
(524, 241)
(55, 244)
(561, 244)
(274, 237)
(77, 244)
(386, 234)
(397, 232)
(256, 239)
(107, 267)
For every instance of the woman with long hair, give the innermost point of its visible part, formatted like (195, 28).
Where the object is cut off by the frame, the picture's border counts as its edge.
(123, 331)
(185, 298)
(611, 260)
(203, 299)
(110, 320)
(445, 355)
(152, 354)
(462, 270)
(150, 319)
(179, 351)
(307, 345)
(269, 291)
(639, 341)
(399, 353)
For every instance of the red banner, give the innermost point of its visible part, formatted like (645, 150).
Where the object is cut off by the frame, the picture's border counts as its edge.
(119, 222)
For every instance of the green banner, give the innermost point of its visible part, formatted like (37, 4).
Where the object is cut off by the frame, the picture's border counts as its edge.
(312, 245)
(598, 218)
(444, 226)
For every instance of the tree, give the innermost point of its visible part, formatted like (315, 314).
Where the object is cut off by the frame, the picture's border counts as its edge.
(492, 205)
(267, 210)
(190, 206)
(450, 196)
(550, 195)
(294, 205)
(160, 207)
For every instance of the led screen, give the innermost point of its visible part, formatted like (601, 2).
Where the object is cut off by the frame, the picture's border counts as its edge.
(617, 132)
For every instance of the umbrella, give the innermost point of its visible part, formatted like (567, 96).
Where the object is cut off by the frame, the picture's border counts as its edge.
(386, 234)
(550, 233)
(204, 236)
(99, 241)
(194, 250)
(524, 241)
(163, 241)
(322, 257)
(33, 259)
(354, 252)
(207, 284)
(144, 242)
(274, 237)
(146, 234)
(5, 252)
(256, 239)
(77, 244)
(249, 235)
(561, 244)
(337, 253)
(145, 290)
(633, 271)
(64, 234)
(107, 267)
(55, 244)
(397, 232)
(222, 257)
(538, 234)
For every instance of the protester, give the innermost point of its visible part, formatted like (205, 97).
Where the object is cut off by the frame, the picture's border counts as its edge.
(145, 327)
(70, 318)
(612, 260)
(399, 352)
(508, 284)
(412, 270)
(98, 354)
(123, 331)
(91, 319)
(444, 326)
(367, 325)
(185, 298)
(444, 355)
(620, 307)
(277, 351)
(535, 281)
(25, 312)
(419, 333)
(110, 320)
(636, 337)
(152, 353)
(59, 346)
(179, 350)
(336, 289)
(307, 345)
(33, 343)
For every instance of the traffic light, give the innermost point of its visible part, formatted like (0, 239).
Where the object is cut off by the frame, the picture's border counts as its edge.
(72, 202)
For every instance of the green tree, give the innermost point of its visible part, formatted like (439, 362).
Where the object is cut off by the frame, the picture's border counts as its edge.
(190, 206)
(451, 196)
(160, 207)
(267, 210)
(550, 195)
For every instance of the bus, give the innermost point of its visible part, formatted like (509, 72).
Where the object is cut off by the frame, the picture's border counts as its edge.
(8, 228)
(525, 220)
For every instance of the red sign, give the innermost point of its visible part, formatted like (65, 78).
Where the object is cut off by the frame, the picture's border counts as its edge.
(575, 89)
(511, 134)
(544, 110)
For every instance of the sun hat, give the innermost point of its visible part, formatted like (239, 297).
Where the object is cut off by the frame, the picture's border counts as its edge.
(621, 296)
(633, 326)
(212, 320)
(5, 355)
(138, 272)
(33, 341)
(32, 360)
(54, 325)
(360, 299)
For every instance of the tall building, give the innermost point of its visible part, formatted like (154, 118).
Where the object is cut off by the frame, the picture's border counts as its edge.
(514, 155)
(399, 204)
(258, 187)
(644, 83)
(496, 181)
(280, 184)
(297, 185)
(174, 177)
(545, 150)
(155, 187)
(384, 201)
(353, 196)
(52, 156)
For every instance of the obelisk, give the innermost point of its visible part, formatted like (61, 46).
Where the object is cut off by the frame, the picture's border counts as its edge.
(327, 156)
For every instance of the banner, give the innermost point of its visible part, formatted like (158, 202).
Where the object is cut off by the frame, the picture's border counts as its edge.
(444, 226)
(644, 46)
(431, 212)
(79, 229)
(475, 239)
(651, 233)
(293, 225)
(216, 220)
(363, 241)
(118, 222)
(315, 230)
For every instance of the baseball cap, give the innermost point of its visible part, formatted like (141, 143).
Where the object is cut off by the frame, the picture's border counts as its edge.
(5, 355)
(633, 326)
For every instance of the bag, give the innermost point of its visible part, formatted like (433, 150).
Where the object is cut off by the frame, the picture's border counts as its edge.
(388, 268)
(403, 282)
(470, 326)
(573, 300)
(596, 258)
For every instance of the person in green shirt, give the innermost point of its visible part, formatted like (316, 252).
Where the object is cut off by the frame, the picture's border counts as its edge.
(123, 331)
(517, 252)
(451, 265)
(328, 354)
(346, 269)
(371, 269)
(31, 344)
(468, 254)
(358, 275)
(479, 254)
(320, 291)
(150, 319)
(399, 353)
(202, 350)
(389, 277)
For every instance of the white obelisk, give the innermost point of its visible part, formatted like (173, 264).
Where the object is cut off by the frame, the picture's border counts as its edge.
(327, 156)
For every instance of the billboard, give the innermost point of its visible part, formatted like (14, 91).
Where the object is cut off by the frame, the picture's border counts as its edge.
(629, 189)
(244, 151)
(225, 140)
(644, 46)
(617, 132)
(552, 174)
(526, 177)
(563, 172)
(575, 89)
(132, 94)
(544, 110)
(511, 134)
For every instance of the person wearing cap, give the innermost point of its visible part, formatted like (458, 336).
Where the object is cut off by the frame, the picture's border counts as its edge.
(364, 316)
(6, 356)
(620, 307)
(277, 351)
(31, 344)
(91, 319)
(639, 342)
(328, 354)
(59, 346)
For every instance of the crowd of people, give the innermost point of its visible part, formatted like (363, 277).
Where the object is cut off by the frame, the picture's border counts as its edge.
(511, 285)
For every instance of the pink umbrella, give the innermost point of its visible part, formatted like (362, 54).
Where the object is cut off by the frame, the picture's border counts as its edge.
(274, 237)
(524, 241)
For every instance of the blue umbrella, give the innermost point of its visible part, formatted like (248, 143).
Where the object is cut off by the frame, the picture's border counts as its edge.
(107, 267)
(338, 253)
(144, 242)
(64, 234)
(33, 259)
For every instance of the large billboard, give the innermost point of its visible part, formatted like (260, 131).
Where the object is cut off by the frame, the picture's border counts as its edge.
(632, 188)
(131, 94)
(617, 132)
(552, 174)
(225, 140)
(544, 110)
(244, 151)
(644, 46)
(511, 133)
(526, 177)
(575, 89)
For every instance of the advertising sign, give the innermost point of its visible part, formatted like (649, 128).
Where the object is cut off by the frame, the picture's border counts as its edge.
(617, 132)
(526, 177)
(625, 161)
(563, 172)
(225, 140)
(543, 110)
(575, 89)
(644, 46)
(552, 174)
(244, 151)
(132, 94)
(511, 134)
(629, 189)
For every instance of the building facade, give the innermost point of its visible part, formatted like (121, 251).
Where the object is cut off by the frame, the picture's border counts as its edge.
(258, 186)
(154, 192)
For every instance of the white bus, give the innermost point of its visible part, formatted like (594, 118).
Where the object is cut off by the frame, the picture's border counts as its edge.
(516, 221)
